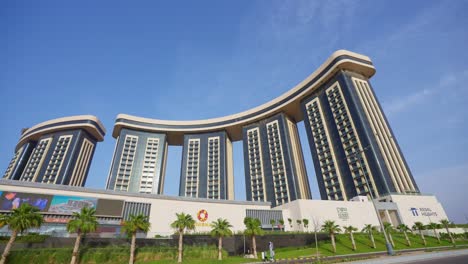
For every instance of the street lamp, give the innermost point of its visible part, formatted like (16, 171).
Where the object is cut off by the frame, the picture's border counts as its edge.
(387, 242)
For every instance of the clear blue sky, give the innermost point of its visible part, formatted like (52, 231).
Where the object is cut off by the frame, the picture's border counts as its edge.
(202, 59)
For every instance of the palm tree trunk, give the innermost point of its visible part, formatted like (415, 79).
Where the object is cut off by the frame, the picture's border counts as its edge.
(450, 235)
(6, 252)
(179, 258)
(372, 239)
(333, 242)
(254, 245)
(352, 241)
(408, 242)
(437, 235)
(76, 248)
(132, 249)
(220, 248)
(391, 239)
(422, 237)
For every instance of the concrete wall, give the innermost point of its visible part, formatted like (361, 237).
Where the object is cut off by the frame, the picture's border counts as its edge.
(163, 208)
(418, 208)
(343, 213)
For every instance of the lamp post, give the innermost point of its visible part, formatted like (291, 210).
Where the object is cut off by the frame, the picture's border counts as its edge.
(387, 242)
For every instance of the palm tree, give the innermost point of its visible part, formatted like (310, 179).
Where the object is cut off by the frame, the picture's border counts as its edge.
(21, 219)
(420, 227)
(134, 224)
(253, 228)
(306, 223)
(220, 229)
(404, 228)
(370, 230)
(434, 226)
(331, 228)
(389, 229)
(350, 229)
(290, 222)
(281, 222)
(183, 222)
(446, 223)
(83, 222)
(299, 222)
(272, 223)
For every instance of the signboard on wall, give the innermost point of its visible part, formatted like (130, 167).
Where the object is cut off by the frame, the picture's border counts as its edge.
(107, 207)
(342, 213)
(13, 200)
(60, 204)
(70, 204)
(422, 211)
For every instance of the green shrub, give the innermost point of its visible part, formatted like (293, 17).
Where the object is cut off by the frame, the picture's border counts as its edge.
(28, 238)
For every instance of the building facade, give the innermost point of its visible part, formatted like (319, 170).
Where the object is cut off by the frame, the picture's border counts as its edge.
(139, 162)
(353, 148)
(58, 151)
(274, 165)
(207, 169)
(351, 141)
(58, 203)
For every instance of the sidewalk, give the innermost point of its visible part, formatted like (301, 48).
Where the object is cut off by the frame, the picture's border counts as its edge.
(413, 257)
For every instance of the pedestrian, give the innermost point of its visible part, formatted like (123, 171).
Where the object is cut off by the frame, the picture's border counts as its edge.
(272, 251)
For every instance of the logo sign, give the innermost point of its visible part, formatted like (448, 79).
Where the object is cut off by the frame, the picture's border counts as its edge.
(342, 213)
(423, 211)
(202, 215)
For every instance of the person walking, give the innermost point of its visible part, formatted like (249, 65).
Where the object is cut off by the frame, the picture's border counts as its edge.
(272, 251)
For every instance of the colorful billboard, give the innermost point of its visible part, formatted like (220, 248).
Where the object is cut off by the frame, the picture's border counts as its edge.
(70, 204)
(61, 204)
(13, 200)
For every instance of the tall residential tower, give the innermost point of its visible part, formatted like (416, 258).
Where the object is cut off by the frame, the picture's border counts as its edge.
(274, 165)
(207, 170)
(58, 151)
(139, 162)
(352, 145)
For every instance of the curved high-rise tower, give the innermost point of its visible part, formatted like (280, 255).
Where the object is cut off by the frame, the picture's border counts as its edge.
(353, 148)
(57, 151)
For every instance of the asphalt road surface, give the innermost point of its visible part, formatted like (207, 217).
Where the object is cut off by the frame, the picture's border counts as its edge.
(443, 257)
(449, 260)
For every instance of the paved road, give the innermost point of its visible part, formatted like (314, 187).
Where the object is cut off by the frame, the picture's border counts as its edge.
(449, 257)
(449, 260)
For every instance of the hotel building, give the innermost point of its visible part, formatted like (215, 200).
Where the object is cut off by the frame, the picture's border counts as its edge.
(58, 151)
(274, 165)
(353, 148)
(139, 162)
(207, 170)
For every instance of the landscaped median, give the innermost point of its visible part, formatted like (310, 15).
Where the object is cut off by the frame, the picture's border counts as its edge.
(363, 246)
(208, 254)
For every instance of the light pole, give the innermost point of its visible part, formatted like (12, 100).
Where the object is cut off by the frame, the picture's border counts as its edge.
(387, 242)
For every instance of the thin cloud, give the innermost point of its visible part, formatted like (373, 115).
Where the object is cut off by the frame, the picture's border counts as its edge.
(449, 81)
(448, 184)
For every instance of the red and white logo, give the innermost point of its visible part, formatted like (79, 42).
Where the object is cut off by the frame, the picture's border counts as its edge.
(202, 215)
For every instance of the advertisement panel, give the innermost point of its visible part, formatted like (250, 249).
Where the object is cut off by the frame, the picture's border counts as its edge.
(107, 207)
(70, 204)
(13, 200)
(60, 204)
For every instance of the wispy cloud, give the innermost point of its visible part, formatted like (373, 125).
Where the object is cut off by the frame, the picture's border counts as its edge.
(448, 184)
(450, 81)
